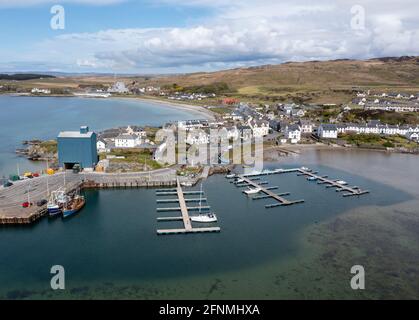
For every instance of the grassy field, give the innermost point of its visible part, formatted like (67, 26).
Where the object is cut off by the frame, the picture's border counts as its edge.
(140, 158)
(377, 141)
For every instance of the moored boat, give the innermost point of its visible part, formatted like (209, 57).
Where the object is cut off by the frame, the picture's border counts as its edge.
(74, 206)
(252, 191)
(204, 218)
(186, 184)
(341, 182)
(56, 202)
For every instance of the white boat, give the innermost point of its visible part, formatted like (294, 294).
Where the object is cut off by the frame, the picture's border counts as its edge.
(341, 182)
(252, 191)
(305, 169)
(186, 184)
(239, 181)
(230, 176)
(203, 217)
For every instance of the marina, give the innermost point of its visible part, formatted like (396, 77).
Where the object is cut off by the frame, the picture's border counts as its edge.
(249, 180)
(184, 209)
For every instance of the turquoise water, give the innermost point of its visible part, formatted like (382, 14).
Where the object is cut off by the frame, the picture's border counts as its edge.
(111, 250)
(25, 118)
(113, 239)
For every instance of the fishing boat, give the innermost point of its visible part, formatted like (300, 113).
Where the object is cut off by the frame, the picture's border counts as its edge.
(252, 191)
(56, 202)
(74, 206)
(209, 217)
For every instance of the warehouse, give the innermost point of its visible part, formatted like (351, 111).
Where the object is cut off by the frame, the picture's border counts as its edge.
(77, 147)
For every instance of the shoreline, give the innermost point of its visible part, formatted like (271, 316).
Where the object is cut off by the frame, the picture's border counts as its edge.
(209, 115)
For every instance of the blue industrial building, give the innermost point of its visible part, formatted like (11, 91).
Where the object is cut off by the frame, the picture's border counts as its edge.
(77, 147)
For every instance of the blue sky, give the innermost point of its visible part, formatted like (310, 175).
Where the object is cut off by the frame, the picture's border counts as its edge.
(166, 36)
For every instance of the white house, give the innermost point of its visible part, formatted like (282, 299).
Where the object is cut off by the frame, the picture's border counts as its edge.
(327, 131)
(293, 133)
(136, 132)
(127, 141)
(197, 137)
(101, 146)
(260, 128)
(42, 91)
(118, 87)
(306, 126)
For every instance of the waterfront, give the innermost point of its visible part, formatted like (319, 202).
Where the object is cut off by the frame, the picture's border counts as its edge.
(111, 250)
(25, 118)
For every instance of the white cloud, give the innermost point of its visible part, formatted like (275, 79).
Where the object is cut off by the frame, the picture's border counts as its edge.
(29, 3)
(247, 33)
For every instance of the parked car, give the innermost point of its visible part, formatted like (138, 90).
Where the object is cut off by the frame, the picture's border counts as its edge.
(42, 202)
(7, 184)
(26, 204)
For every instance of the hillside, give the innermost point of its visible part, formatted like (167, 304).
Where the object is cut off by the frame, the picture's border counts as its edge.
(24, 76)
(308, 80)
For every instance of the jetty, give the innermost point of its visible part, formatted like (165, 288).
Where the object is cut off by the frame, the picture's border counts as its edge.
(184, 210)
(249, 180)
(281, 201)
(351, 191)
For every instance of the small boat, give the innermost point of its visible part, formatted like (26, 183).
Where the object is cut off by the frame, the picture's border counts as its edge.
(186, 184)
(74, 206)
(311, 178)
(252, 191)
(239, 181)
(230, 176)
(305, 169)
(204, 218)
(341, 182)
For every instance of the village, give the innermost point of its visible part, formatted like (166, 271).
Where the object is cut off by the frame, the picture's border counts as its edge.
(380, 121)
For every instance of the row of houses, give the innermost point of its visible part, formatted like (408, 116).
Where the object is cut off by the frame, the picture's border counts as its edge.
(331, 131)
(397, 107)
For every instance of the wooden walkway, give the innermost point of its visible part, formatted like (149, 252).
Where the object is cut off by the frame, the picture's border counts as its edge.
(184, 209)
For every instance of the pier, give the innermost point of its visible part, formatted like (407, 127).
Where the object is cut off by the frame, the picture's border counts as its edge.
(351, 191)
(184, 209)
(247, 180)
(269, 194)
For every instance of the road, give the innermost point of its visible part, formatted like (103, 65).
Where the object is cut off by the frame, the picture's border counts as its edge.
(37, 188)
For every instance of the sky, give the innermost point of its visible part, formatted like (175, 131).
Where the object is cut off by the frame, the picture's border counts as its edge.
(179, 36)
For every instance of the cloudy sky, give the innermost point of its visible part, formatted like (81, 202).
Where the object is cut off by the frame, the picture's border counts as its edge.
(167, 36)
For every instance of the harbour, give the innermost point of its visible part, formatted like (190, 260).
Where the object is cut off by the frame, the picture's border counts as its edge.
(124, 223)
